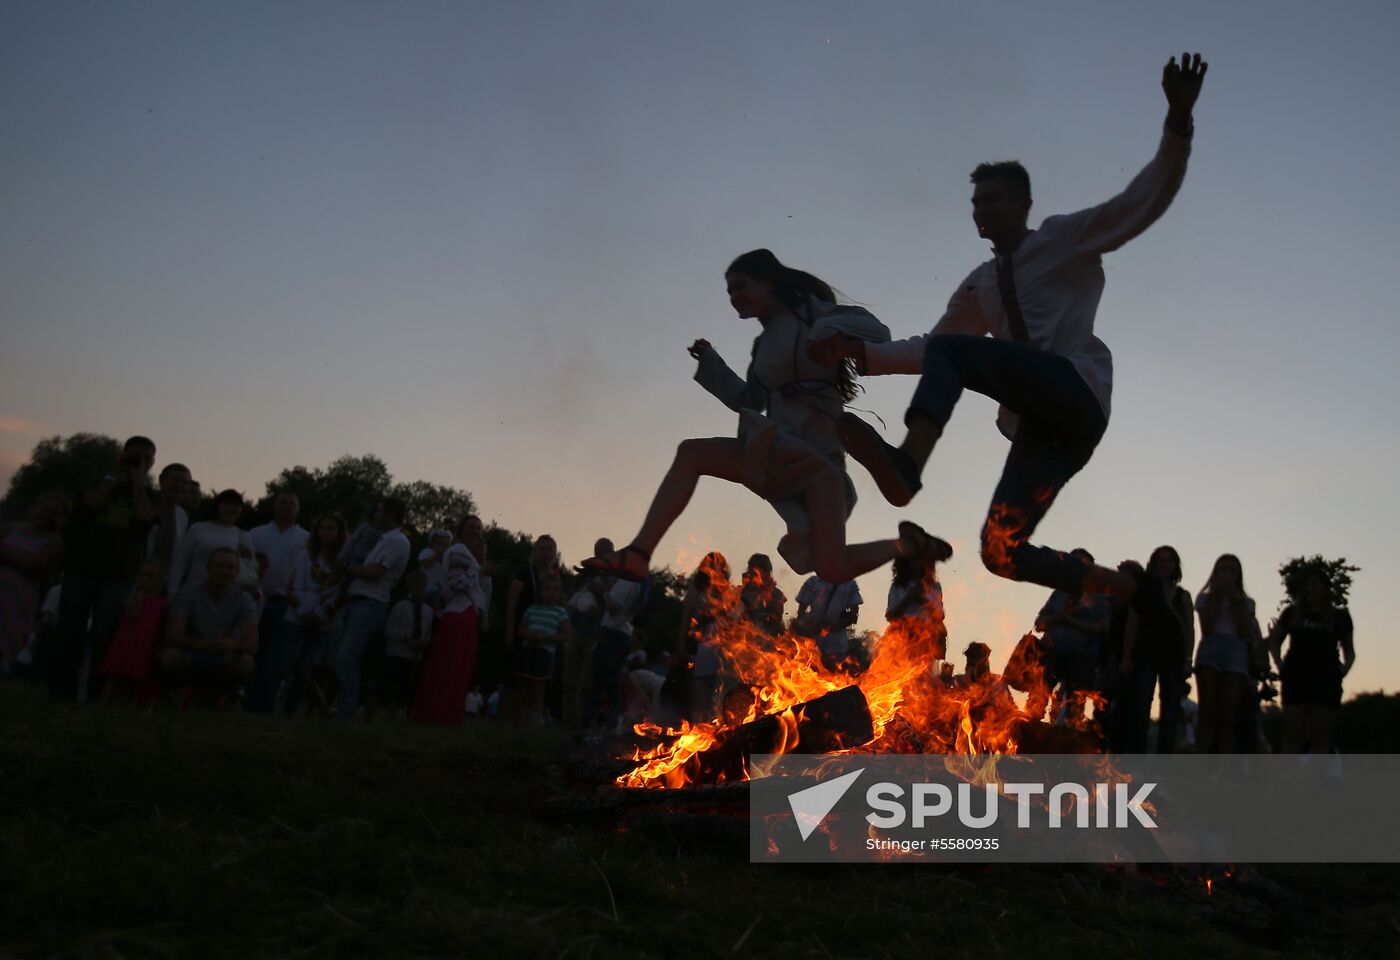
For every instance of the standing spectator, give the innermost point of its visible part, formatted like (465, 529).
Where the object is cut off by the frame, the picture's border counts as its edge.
(916, 602)
(763, 601)
(708, 601)
(281, 541)
(543, 629)
(1118, 715)
(476, 703)
(586, 618)
(362, 541)
(103, 542)
(523, 590)
(986, 691)
(449, 670)
(29, 555)
(641, 690)
(472, 535)
(430, 562)
(406, 636)
(128, 663)
(1075, 624)
(1228, 631)
(367, 599)
(610, 652)
(1311, 672)
(211, 631)
(192, 500)
(190, 563)
(1157, 655)
(172, 520)
(825, 612)
(317, 582)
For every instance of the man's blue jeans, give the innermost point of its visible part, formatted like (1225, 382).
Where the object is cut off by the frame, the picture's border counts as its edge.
(364, 620)
(1061, 423)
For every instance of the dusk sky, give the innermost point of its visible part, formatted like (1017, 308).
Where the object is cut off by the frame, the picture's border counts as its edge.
(475, 239)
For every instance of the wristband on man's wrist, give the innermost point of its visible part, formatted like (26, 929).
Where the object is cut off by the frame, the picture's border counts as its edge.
(1182, 129)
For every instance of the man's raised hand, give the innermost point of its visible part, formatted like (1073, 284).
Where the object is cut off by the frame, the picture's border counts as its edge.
(1182, 85)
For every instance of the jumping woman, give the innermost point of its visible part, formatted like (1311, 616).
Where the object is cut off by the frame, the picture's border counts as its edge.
(788, 450)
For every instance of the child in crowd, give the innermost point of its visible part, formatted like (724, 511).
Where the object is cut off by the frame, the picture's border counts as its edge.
(544, 627)
(318, 580)
(406, 636)
(430, 561)
(128, 663)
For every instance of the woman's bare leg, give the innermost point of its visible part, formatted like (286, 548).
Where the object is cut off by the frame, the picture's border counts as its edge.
(1208, 699)
(721, 457)
(834, 560)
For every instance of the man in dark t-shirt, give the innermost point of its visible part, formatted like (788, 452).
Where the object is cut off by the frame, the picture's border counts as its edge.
(103, 544)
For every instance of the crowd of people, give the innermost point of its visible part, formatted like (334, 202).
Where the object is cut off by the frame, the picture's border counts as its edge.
(1096, 649)
(121, 598)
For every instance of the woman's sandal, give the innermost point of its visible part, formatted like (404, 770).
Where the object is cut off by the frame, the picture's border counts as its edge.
(615, 564)
(926, 546)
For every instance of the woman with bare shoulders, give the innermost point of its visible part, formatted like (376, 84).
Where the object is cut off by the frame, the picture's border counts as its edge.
(1229, 634)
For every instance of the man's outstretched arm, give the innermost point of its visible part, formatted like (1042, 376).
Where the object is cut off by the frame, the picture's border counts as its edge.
(964, 315)
(1109, 225)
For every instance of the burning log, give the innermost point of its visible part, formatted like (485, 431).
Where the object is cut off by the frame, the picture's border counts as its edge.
(838, 720)
(834, 721)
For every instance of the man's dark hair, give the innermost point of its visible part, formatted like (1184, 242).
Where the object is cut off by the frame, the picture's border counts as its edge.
(395, 507)
(170, 468)
(229, 496)
(138, 441)
(1009, 170)
(218, 550)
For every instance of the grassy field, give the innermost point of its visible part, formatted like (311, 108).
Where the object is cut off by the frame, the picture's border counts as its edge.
(161, 834)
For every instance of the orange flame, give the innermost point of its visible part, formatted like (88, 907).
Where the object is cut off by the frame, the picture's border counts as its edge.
(915, 706)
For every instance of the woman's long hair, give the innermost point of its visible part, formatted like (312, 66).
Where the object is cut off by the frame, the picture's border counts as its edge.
(1169, 550)
(1217, 601)
(330, 552)
(795, 289)
(713, 569)
(907, 570)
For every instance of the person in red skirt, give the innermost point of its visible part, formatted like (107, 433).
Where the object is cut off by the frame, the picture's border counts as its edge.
(450, 664)
(127, 665)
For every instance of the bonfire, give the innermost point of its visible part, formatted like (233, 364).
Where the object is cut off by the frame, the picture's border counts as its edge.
(779, 699)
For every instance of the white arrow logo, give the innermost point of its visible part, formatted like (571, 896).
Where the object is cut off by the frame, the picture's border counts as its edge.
(810, 806)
